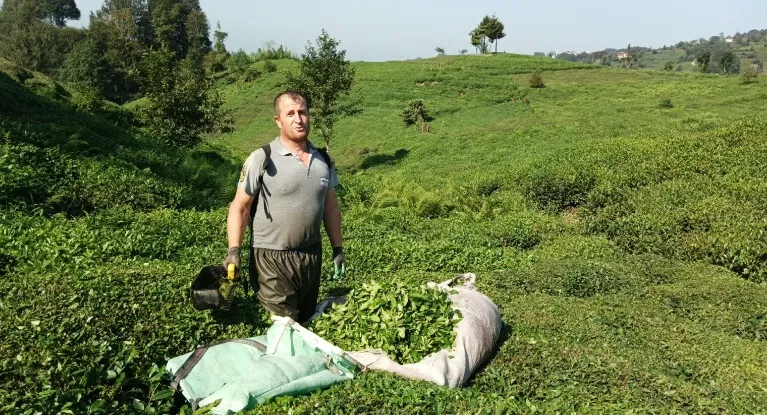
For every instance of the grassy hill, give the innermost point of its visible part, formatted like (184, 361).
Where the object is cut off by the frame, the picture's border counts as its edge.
(617, 218)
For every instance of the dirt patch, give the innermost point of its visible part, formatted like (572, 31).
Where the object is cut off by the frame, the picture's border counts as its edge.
(570, 216)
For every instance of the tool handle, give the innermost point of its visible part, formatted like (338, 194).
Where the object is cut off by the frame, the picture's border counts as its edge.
(230, 272)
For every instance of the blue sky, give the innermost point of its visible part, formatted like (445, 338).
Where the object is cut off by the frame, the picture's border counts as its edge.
(398, 29)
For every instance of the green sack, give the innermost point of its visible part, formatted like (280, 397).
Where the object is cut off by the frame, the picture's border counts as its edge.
(243, 373)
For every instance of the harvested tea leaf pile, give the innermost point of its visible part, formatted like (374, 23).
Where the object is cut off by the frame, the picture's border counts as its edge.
(408, 323)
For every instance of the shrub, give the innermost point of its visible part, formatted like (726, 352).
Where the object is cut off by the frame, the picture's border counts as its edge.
(666, 103)
(215, 62)
(749, 75)
(536, 80)
(269, 66)
(669, 66)
(239, 61)
(415, 112)
(249, 75)
(557, 186)
(269, 52)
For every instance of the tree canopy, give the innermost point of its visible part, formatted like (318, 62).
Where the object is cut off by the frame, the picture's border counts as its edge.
(489, 29)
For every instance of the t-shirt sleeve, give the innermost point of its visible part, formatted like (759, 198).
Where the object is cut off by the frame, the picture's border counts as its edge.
(333, 174)
(251, 170)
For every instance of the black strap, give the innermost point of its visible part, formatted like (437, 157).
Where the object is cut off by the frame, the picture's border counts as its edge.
(261, 188)
(261, 193)
(325, 156)
(197, 354)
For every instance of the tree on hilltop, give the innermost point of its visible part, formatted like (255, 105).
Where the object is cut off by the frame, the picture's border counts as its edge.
(324, 75)
(493, 28)
(489, 29)
(479, 40)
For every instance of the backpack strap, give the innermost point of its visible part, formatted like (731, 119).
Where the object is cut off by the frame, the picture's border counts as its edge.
(261, 191)
(325, 156)
(260, 194)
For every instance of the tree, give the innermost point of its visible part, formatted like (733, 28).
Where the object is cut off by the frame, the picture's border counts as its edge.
(219, 38)
(729, 63)
(87, 69)
(55, 12)
(439, 50)
(703, 58)
(479, 40)
(182, 104)
(632, 57)
(31, 39)
(324, 76)
(493, 29)
(669, 66)
(123, 31)
(169, 24)
(197, 29)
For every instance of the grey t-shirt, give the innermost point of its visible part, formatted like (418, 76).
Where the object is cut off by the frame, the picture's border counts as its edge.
(294, 195)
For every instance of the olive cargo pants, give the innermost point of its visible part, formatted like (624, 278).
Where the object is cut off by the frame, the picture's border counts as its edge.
(289, 281)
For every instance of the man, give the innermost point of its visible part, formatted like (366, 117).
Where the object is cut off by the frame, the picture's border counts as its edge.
(294, 194)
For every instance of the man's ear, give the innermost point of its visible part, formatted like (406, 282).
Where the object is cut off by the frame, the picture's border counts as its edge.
(277, 121)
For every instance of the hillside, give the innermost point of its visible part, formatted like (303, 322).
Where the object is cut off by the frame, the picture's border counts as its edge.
(617, 218)
(590, 215)
(750, 49)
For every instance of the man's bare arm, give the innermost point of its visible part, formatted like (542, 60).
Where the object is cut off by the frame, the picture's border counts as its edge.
(239, 215)
(332, 219)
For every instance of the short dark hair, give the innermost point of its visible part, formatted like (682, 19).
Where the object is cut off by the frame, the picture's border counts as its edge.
(294, 95)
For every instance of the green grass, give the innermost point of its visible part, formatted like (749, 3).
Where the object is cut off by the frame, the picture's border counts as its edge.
(623, 241)
(658, 60)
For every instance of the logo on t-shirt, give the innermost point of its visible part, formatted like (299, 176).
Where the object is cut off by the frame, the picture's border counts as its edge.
(243, 172)
(323, 182)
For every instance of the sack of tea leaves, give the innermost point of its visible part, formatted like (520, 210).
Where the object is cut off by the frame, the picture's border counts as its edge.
(446, 363)
(408, 323)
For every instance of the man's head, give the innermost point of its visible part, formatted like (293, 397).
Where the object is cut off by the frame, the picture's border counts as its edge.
(291, 114)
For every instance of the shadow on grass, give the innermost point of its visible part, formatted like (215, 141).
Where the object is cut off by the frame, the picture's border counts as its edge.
(247, 310)
(384, 159)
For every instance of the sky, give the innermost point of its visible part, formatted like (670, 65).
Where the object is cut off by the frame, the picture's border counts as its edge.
(400, 29)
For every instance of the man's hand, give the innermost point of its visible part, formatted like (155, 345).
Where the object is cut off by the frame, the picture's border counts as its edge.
(339, 262)
(233, 257)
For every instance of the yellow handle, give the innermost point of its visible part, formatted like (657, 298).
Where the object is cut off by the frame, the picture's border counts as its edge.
(230, 271)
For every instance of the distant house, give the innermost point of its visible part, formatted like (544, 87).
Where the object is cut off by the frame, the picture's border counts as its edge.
(622, 55)
(729, 40)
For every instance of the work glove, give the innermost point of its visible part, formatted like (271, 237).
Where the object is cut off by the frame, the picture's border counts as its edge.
(233, 257)
(339, 262)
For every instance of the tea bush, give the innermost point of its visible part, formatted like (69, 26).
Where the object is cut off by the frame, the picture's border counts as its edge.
(749, 74)
(415, 112)
(536, 80)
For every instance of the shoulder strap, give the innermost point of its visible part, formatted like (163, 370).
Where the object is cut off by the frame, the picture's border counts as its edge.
(325, 156)
(261, 192)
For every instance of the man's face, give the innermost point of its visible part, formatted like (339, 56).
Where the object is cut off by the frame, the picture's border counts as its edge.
(293, 119)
